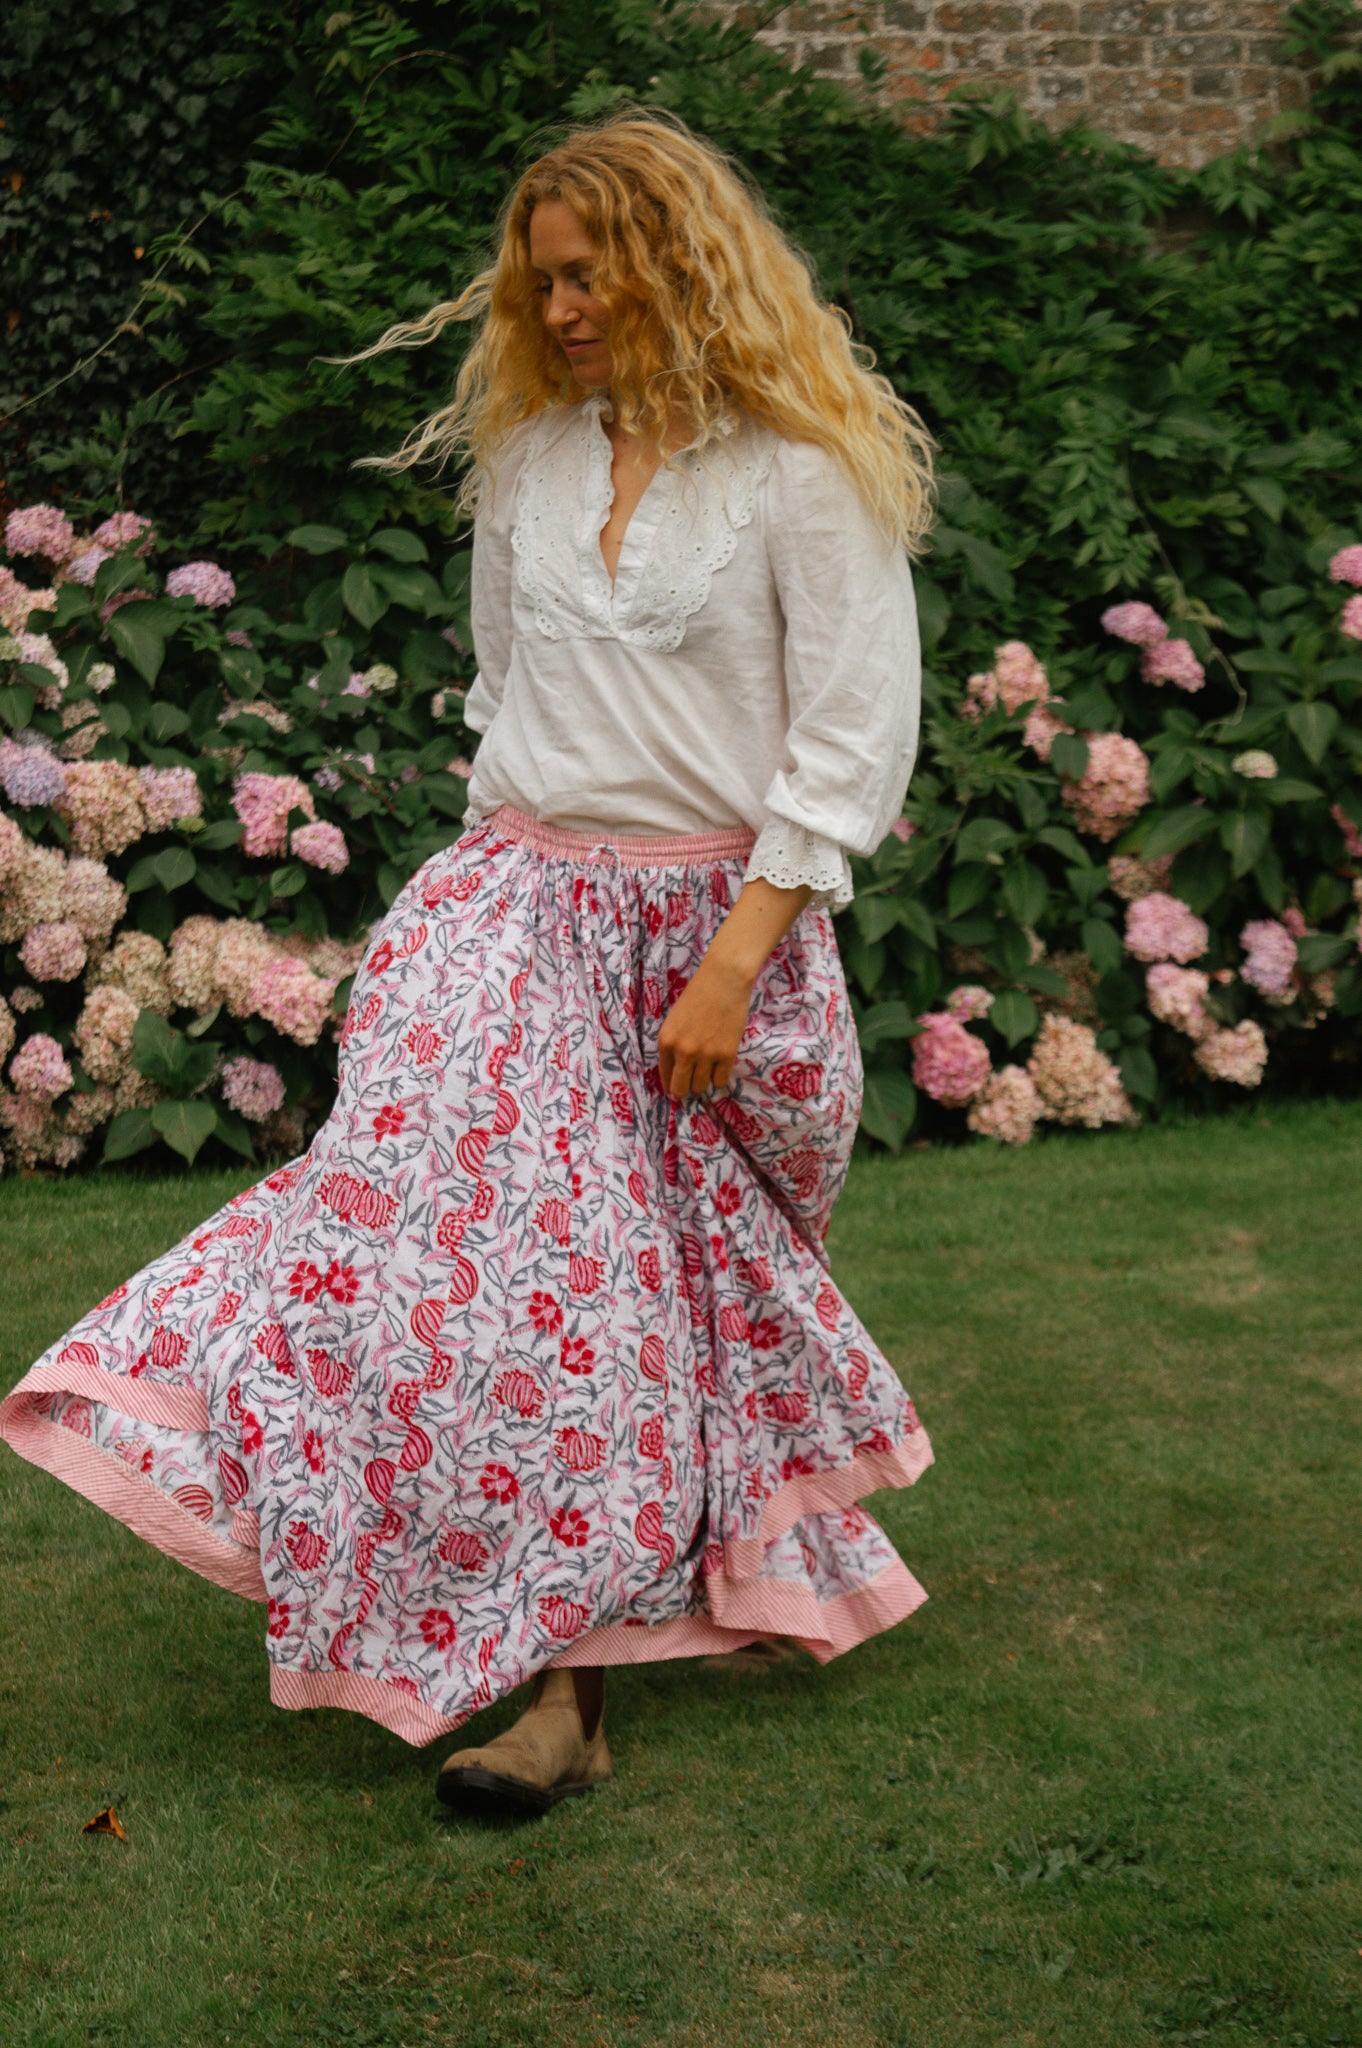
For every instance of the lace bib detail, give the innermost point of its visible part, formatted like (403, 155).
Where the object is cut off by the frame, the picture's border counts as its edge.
(683, 531)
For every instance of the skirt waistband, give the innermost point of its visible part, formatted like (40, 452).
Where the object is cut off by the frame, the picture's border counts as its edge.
(631, 849)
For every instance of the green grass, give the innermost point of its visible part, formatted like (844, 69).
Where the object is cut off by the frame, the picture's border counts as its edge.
(1138, 1357)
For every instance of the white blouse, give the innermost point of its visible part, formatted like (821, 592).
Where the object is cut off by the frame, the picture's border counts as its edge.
(755, 662)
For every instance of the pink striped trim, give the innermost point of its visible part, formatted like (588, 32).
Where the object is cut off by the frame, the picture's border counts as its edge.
(759, 1607)
(392, 1708)
(131, 1498)
(812, 1493)
(635, 849)
(142, 1399)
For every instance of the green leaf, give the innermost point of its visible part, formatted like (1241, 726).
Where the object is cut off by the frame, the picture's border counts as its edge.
(1086, 884)
(221, 833)
(1061, 840)
(117, 720)
(185, 1126)
(968, 888)
(1102, 944)
(1320, 950)
(875, 915)
(1025, 891)
(1069, 756)
(1289, 789)
(165, 722)
(288, 881)
(130, 1131)
(886, 1021)
(167, 1057)
(1139, 1073)
(888, 1106)
(915, 917)
(1244, 834)
(234, 1132)
(399, 545)
(364, 599)
(16, 705)
(984, 838)
(173, 867)
(1268, 496)
(1176, 829)
(204, 1022)
(415, 588)
(1014, 1015)
(318, 540)
(1314, 725)
(138, 640)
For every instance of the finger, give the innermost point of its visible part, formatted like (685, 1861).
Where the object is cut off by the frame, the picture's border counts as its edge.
(665, 1059)
(681, 1073)
(701, 1075)
(723, 1073)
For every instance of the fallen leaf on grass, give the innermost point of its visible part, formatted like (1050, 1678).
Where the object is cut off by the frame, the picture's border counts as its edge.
(106, 1822)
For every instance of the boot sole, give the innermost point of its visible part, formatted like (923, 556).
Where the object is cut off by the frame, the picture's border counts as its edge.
(474, 1790)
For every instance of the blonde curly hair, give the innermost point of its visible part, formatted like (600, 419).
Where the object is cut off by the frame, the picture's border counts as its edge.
(710, 308)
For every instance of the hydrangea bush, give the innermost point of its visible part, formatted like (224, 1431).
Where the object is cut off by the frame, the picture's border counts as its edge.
(1133, 873)
(204, 810)
(1127, 872)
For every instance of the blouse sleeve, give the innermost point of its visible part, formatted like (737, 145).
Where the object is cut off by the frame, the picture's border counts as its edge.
(852, 675)
(490, 586)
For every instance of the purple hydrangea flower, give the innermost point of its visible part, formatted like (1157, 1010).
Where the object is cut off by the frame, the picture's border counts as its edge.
(39, 530)
(30, 775)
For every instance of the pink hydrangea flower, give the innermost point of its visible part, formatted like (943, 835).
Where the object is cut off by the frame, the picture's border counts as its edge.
(1016, 678)
(1042, 729)
(1008, 1107)
(290, 996)
(1350, 618)
(122, 530)
(1271, 962)
(39, 530)
(168, 795)
(902, 828)
(87, 565)
(1255, 765)
(39, 1068)
(1114, 787)
(1177, 996)
(54, 952)
(13, 846)
(1131, 878)
(1074, 1078)
(1137, 623)
(969, 1002)
(1294, 922)
(103, 805)
(30, 776)
(1239, 1055)
(263, 803)
(1346, 566)
(1172, 661)
(205, 582)
(321, 846)
(949, 1063)
(253, 1088)
(1159, 927)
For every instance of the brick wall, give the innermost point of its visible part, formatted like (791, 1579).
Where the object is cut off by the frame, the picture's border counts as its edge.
(1184, 79)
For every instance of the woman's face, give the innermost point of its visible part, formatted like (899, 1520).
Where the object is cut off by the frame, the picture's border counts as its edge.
(562, 254)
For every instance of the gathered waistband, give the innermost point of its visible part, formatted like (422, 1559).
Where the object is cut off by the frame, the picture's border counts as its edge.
(631, 849)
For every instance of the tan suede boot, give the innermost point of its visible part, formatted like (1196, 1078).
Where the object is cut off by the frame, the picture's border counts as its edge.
(544, 1757)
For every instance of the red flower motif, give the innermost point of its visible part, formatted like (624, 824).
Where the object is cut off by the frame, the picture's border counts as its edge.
(788, 1407)
(545, 1313)
(571, 1527)
(252, 1436)
(470, 1149)
(403, 1399)
(562, 1143)
(854, 1523)
(424, 1043)
(651, 1442)
(305, 1281)
(563, 1618)
(357, 1201)
(341, 1283)
(314, 1451)
(580, 1449)
(515, 1389)
(910, 1418)
(652, 1359)
(653, 919)
(554, 1218)
(307, 1547)
(798, 1079)
(578, 1358)
(438, 1628)
(499, 1483)
(649, 1531)
(650, 1268)
(277, 1625)
(226, 1311)
(168, 1349)
(858, 1372)
(382, 957)
(330, 1376)
(272, 1343)
(622, 1102)
(464, 1549)
(584, 1274)
(483, 1199)
(876, 1441)
(452, 1225)
(727, 1199)
(764, 1335)
(796, 1467)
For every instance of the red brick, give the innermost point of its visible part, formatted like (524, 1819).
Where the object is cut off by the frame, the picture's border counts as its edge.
(978, 20)
(1125, 50)
(902, 14)
(1053, 21)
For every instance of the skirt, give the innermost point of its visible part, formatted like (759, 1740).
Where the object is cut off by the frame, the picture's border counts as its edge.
(524, 1362)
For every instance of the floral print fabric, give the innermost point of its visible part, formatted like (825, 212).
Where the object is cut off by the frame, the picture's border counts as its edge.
(524, 1362)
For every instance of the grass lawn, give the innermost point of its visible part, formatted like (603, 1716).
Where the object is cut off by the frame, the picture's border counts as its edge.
(1102, 1790)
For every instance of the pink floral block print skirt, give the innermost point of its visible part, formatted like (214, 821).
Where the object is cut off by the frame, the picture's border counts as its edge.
(523, 1362)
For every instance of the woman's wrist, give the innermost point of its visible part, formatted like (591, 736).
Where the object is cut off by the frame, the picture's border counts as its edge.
(754, 927)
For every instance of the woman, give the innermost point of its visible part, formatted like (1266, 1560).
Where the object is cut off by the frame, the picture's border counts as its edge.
(532, 1364)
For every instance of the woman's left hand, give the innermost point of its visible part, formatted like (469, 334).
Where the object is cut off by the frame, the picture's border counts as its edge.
(701, 1032)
